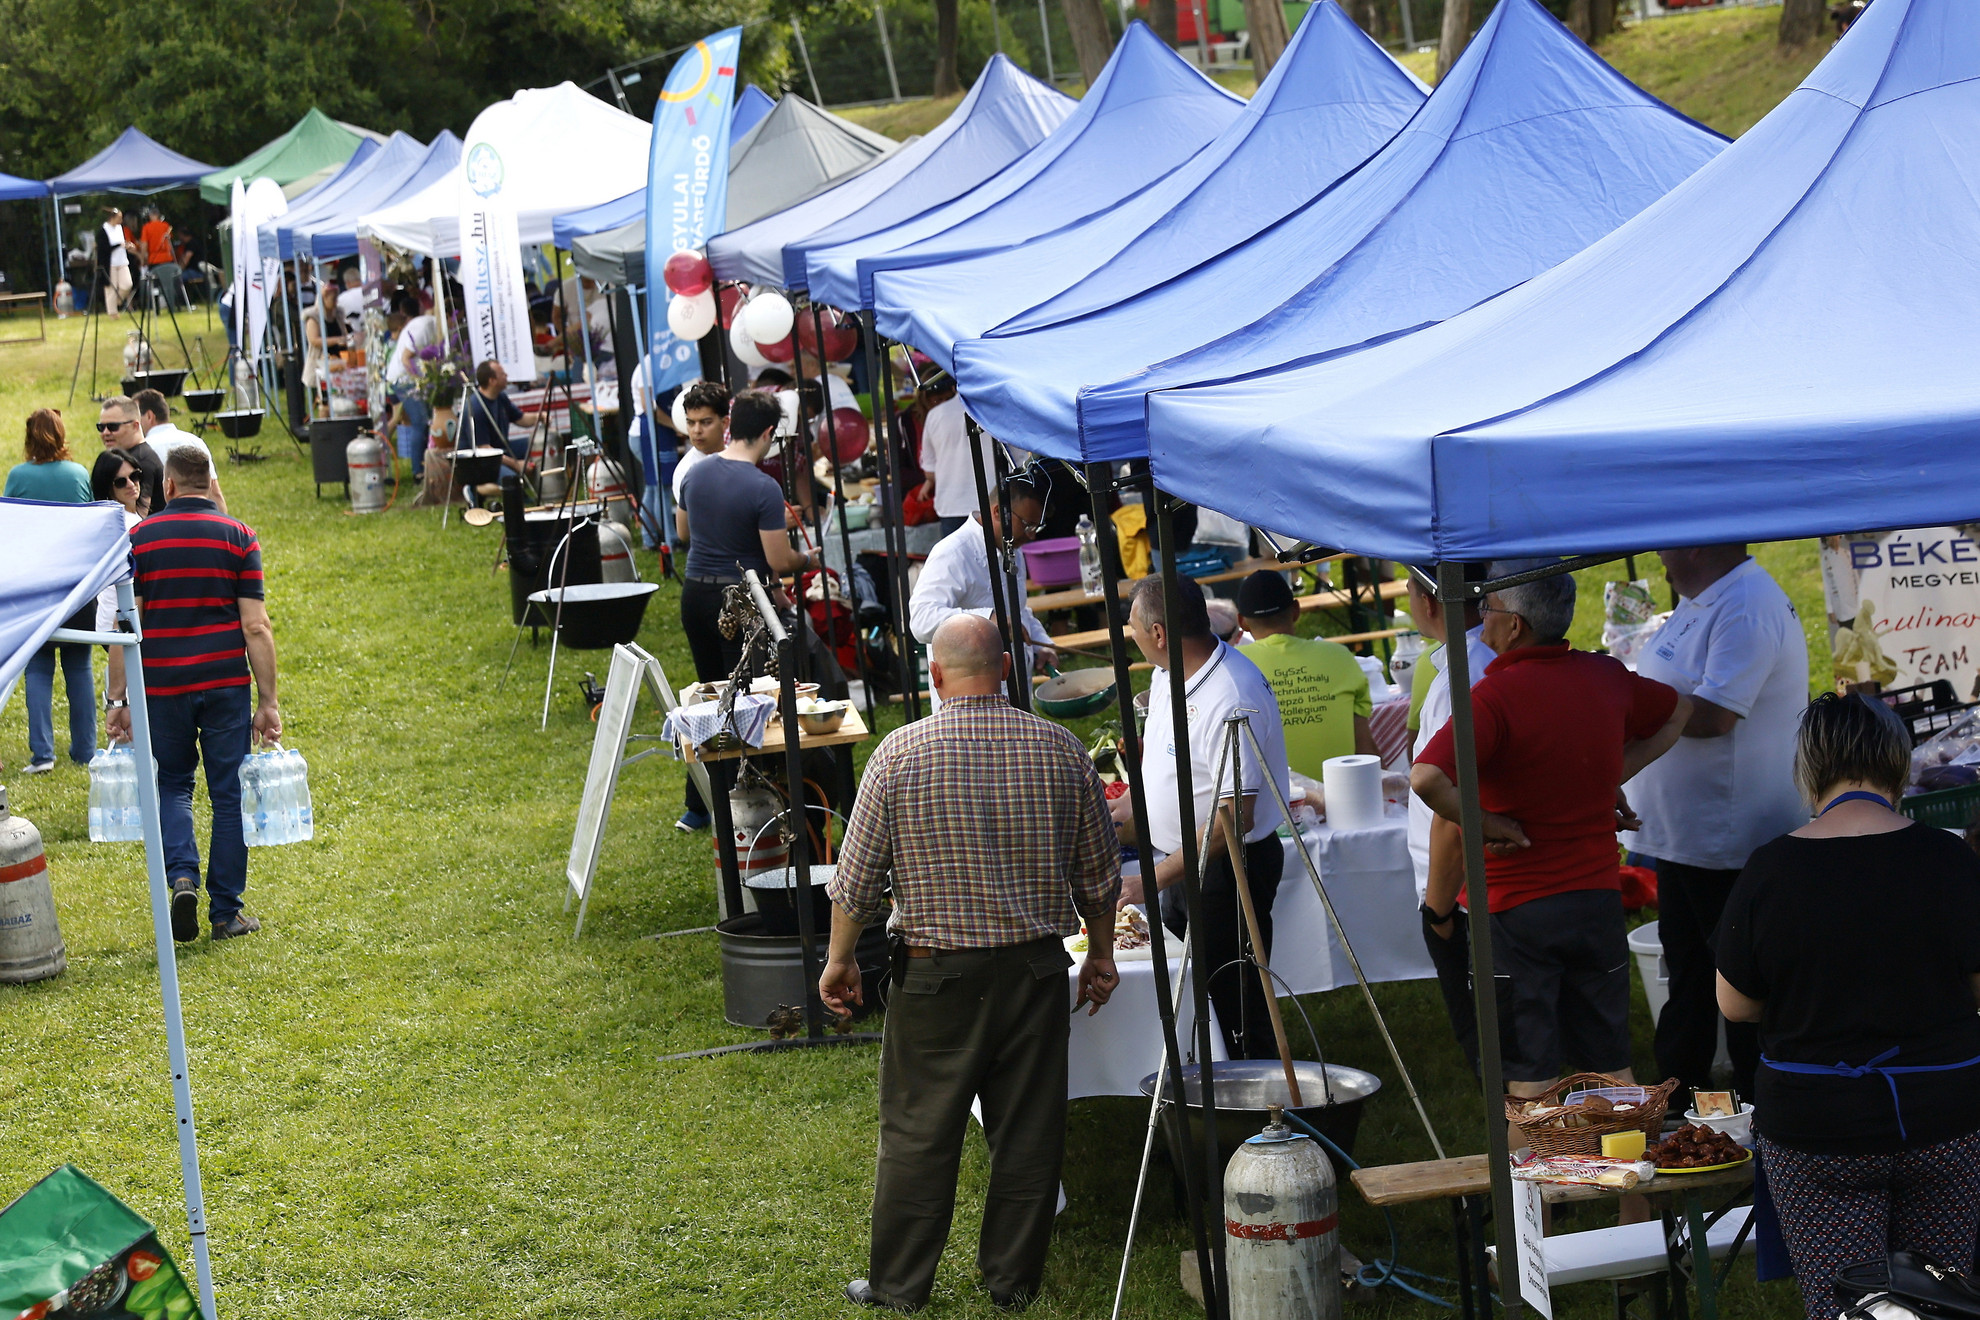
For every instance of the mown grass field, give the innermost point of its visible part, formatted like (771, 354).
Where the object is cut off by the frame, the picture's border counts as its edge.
(420, 1099)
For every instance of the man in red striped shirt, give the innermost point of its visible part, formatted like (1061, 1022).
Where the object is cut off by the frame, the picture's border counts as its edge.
(198, 579)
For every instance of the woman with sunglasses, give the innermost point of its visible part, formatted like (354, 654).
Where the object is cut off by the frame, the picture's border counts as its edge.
(51, 475)
(116, 479)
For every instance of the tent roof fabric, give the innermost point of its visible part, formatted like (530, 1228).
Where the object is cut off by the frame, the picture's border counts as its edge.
(133, 163)
(1005, 114)
(60, 557)
(399, 156)
(785, 157)
(312, 142)
(1530, 149)
(1780, 348)
(16, 189)
(1145, 115)
(752, 103)
(335, 235)
(617, 256)
(1328, 104)
(563, 150)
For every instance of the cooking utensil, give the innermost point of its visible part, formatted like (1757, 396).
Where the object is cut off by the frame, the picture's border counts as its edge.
(1070, 695)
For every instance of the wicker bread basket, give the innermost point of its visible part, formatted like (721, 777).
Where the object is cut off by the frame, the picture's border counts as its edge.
(1551, 1135)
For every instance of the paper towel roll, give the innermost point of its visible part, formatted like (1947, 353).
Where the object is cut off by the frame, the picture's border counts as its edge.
(1354, 791)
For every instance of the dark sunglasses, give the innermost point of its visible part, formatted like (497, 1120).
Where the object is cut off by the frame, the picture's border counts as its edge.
(111, 426)
(122, 482)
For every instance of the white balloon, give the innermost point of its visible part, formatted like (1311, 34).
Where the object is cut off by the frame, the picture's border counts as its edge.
(680, 408)
(744, 347)
(690, 316)
(769, 318)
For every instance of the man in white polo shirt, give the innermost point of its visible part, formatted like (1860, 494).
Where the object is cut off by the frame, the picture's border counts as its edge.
(155, 420)
(1218, 682)
(1735, 646)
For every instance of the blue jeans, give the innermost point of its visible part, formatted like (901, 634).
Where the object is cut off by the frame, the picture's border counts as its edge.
(215, 727)
(77, 678)
(412, 432)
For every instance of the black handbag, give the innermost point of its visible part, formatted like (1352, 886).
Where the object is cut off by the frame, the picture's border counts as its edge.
(1906, 1283)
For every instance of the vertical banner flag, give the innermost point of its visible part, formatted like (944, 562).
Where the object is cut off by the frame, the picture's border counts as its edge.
(495, 301)
(687, 186)
(257, 278)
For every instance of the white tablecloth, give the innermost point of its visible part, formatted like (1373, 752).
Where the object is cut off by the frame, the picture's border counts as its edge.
(921, 538)
(1367, 874)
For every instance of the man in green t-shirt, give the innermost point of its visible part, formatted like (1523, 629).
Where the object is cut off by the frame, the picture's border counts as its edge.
(1322, 691)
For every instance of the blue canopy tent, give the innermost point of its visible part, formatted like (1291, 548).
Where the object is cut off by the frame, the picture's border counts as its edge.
(16, 189)
(1328, 104)
(335, 236)
(401, 153)
(131, 164)
(60, 557)
(1146, 114)
(1782, 347)
(752, 103)
(1531, 148)
(1006, 113)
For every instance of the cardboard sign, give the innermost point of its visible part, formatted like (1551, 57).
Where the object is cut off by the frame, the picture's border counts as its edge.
(1904, 607)
(1529, 1225)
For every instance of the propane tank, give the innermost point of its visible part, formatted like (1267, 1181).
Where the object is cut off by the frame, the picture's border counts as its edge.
(1282, 1237)
(606, 480)
(30, 941)
(370, 470)
(760, 843)
(615, 553)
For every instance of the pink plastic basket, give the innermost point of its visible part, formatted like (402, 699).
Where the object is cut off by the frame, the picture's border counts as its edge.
(1053, 563)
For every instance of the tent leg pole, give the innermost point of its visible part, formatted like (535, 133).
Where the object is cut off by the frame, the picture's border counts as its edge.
(1016, 685)
(839, 506)
(1454, 593)
(1215, 1297)
(168, 966)
(881, 380)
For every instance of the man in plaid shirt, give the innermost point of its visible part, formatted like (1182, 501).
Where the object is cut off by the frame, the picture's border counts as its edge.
(994, 829)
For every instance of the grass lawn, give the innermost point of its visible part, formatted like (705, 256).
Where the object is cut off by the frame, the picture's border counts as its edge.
(419, 1097)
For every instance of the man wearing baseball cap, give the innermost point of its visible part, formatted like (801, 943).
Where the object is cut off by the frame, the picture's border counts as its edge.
(1322, 691)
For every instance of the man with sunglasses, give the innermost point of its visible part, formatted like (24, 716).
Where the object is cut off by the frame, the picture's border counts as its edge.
(121, 431)
(956, 578)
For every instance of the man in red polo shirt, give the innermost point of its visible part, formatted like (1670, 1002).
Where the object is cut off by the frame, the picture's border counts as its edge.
(198, 579)
(1559, 733)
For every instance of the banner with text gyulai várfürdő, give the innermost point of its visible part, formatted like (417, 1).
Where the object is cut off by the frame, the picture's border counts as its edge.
(687, 186)
(1904, 607)
(495, 301)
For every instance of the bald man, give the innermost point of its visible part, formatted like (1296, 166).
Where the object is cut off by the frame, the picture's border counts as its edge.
(996, 834)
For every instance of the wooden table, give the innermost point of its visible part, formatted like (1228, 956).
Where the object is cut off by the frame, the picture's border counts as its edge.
(1679, 1198)
(852, 731)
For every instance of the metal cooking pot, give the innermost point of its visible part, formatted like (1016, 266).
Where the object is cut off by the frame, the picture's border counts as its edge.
(1071, 695)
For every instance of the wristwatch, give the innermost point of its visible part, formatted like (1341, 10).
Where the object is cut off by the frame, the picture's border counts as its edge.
(1434, 917)
(115, 703)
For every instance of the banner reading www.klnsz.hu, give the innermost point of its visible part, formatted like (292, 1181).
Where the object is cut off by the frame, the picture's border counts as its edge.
(1904, 607)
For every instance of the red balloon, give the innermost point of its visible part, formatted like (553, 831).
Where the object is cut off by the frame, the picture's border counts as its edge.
(840, 342)
(831, 318)
(687, 273)
(845, 440)
(777, 352)
(727, 299)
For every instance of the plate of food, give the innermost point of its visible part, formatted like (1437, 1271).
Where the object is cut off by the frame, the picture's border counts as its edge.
(1130, 937)
(1696, 1149)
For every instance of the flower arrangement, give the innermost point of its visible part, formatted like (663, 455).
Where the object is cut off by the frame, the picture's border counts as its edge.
(440, 370)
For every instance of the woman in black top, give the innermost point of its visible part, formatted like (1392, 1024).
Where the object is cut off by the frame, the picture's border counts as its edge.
(1855, 943)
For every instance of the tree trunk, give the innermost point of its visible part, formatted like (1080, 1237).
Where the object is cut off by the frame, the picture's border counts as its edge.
(1801, 21)
(1367, 15)
(1092, 42)
(1601, 20)
(1578, 20)
(1162, 18)
(1266, 21)
(947, 32)
(1457, 32)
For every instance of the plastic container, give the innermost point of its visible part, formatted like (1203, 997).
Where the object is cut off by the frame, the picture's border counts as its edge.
(1090, 573)
(1948, 808)
(1647, 947)
(1737, 1126)
(1053, 563)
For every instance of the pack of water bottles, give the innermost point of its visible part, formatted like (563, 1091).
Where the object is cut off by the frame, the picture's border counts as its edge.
(113, 796)
(275, 798)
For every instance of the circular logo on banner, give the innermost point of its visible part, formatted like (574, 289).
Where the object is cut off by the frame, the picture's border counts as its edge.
(484, 170)
(707, 58)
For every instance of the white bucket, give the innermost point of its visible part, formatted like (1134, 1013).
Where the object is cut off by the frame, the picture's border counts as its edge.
(1648, 950)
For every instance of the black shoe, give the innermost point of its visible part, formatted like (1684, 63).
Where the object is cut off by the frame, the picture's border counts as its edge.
(240, 924)
(185, 910)
(860, 1293)
(1014, 1301)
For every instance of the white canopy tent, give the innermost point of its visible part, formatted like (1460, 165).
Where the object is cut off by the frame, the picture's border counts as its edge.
(560, 149)
(63, 556)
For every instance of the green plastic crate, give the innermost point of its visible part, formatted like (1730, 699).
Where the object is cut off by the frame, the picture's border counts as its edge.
(1949, 808)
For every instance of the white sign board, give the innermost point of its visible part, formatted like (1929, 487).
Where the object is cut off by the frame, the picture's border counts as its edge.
(494, 297)
(1904, 607)
(1530, 1227)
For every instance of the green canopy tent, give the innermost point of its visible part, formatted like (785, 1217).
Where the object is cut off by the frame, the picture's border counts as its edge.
(314, 143)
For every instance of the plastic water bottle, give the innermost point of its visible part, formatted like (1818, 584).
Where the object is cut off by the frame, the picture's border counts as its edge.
(305, 815)
(1089, 556)
(251, 802)
(98, 773)
(128, 820)
(274, 803)
(284, 815)
(1403, 660)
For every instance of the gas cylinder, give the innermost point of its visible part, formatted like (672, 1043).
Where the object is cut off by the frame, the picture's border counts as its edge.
(370, 470)
(760, 843)
(607, 482)
(1282, 1237)
(30, 941)
(615, 553)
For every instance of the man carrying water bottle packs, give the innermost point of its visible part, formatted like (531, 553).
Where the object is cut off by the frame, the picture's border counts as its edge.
(198, 580)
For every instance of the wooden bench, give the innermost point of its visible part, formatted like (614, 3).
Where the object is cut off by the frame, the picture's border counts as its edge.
(1044, 600)
(1323, 600)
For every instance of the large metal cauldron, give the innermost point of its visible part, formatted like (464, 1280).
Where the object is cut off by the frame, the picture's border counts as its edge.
(596, 616)
(761, 972)
(1247, 1087)
(535, 562)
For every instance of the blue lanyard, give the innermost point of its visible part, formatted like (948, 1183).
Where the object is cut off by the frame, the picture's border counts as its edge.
(1890, 1075)
(1857, 795)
